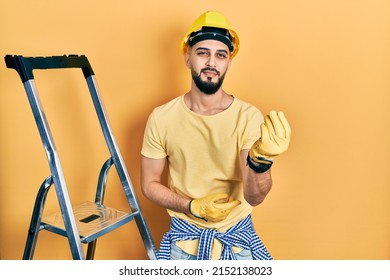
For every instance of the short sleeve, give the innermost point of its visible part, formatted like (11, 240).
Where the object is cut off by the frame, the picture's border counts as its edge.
(153, 145)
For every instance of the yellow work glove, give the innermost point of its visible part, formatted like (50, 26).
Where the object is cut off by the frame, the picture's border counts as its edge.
(213, 208)
(274, 140)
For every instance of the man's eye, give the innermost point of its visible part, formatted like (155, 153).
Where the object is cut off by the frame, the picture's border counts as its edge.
(221, 55)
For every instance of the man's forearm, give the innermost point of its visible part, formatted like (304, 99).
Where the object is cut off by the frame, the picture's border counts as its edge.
(256, 186)
(166, 198)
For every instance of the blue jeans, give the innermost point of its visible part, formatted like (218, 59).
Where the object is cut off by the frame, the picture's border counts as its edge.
(178, 254)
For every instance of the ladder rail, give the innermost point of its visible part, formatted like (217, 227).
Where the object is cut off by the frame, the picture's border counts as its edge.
(120, 166)
(56, 170)
(35, 224)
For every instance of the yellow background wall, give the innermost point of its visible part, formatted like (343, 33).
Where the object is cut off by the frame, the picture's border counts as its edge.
(325, 63)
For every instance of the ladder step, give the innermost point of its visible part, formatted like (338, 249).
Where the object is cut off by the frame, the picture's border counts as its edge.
(92, 221)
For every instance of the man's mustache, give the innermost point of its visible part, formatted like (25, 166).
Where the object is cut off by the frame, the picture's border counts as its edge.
(210, 69)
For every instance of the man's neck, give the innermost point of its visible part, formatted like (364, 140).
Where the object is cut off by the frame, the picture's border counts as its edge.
(207, 104)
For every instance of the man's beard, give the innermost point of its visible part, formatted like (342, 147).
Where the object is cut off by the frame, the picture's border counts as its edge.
(207, 87)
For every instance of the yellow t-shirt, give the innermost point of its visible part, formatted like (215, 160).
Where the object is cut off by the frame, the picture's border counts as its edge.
(203, 156)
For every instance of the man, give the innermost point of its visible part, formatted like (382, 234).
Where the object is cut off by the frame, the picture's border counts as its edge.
(219, 167)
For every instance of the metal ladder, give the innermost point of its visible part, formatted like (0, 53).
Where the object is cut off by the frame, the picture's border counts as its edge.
(88, 221)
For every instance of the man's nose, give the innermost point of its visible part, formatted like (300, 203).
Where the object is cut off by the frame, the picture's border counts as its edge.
(211, 62)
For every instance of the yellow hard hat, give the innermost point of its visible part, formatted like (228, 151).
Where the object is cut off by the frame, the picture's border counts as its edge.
(212, 19)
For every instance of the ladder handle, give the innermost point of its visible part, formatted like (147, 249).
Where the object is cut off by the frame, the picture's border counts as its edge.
(25, 65)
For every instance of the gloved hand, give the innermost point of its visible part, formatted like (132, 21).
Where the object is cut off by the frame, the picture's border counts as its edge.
(274, 140)
(213, 208)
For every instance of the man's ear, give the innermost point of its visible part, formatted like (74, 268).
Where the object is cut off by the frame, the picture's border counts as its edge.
(187, 59)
